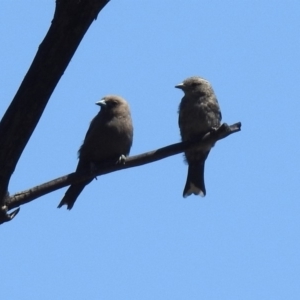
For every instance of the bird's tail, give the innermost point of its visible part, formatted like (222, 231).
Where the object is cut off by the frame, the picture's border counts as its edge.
(195, 179)
(72, 194)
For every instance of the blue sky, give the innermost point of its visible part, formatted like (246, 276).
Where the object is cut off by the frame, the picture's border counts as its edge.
(131, 235)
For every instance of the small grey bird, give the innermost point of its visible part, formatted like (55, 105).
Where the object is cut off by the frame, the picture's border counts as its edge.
(109, 137)
(199, 112)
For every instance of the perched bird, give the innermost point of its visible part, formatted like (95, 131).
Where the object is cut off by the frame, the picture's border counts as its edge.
(109, 137)
(199, 112)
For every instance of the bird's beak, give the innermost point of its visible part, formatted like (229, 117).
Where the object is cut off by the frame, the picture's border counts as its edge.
(101, 103)
(179, 86)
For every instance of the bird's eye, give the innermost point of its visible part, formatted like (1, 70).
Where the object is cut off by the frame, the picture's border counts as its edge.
(111, 103)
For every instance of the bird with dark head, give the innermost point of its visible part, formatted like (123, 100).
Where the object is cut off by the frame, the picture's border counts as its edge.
(199, 113)
(108, 138)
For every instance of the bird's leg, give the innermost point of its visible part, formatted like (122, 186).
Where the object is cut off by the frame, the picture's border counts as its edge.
(122, 159)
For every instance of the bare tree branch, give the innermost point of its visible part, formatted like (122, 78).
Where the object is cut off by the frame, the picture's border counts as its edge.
(71, 21)
(133, 161)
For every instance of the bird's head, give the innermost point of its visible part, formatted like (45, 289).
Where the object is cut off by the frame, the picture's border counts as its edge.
(113, 103)
(194, 85)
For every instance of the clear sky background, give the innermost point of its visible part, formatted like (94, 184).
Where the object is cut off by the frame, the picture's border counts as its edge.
(131, 235)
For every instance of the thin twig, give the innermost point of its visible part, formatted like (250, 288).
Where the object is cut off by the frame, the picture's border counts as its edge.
(132, 161)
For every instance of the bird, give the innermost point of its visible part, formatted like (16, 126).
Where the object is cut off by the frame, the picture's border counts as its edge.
(109, 138)
(199, 113)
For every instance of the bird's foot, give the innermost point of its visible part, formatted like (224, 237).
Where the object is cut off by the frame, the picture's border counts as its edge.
(122, 159)
(93, 169)
(213, 129)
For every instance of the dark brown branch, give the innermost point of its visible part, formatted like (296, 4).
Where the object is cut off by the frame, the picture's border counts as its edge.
(133, 161)
(70, 23)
